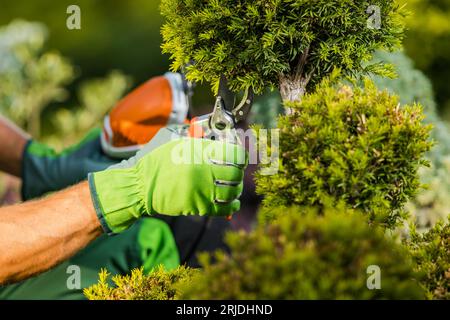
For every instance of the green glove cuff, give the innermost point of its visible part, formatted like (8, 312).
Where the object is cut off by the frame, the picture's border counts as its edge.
(117, 198)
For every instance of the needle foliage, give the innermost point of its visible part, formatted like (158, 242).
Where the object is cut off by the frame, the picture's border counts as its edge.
(287, 44)
(158, 285)
(354, 146)
(431, 254)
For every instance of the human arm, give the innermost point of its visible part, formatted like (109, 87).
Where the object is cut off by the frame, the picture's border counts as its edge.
(35, 235)
(41, 168)
(12, 144)
(45, 170)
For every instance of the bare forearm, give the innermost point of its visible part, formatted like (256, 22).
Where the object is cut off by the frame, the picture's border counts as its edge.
(37, 235)
(12, 145)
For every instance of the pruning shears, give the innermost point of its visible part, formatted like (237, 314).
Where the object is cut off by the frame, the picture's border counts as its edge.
(225, 116)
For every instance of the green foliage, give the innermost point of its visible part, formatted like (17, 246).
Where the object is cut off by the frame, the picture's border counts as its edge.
(260, 43)
(30, 78)
(431, 253)
(351, 146)
(305, 256)
(431, 203)
(158, 285)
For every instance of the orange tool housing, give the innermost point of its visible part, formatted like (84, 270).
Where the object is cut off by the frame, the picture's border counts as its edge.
(138, 117)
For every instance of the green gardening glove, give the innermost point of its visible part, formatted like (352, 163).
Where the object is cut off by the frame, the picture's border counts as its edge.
(182, 177)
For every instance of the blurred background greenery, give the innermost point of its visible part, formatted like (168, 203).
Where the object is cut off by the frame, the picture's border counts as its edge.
(115, 34)
(63, 81)
(124, 35)
(58, 83)
(428, 44)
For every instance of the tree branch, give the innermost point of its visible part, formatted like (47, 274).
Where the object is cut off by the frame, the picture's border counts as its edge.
(301, 64)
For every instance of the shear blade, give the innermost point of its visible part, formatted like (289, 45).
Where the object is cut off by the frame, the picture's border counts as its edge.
(226, 94)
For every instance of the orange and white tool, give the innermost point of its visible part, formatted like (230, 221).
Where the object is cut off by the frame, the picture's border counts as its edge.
(138, 117)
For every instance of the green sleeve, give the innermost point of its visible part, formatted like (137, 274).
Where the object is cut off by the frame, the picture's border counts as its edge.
(157, 245)
(44, 170)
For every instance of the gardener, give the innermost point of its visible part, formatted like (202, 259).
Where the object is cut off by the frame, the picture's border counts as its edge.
(38, 235)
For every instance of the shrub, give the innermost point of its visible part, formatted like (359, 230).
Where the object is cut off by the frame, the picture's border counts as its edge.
(158, 285)
(288, 44)
(431, 254)
(305, 256)
(355, 146)
(431, 203)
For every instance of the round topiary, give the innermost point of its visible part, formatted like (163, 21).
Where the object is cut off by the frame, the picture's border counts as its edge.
(287, 44)
(412, 86)
(305, 256)
(349, 145)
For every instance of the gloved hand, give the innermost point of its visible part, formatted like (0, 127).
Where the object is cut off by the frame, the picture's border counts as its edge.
(183, 177)
(45, 171)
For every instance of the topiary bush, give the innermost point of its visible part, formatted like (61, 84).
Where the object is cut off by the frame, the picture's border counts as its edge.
(349, 145)
(288, 44)
(431, 254)
(158, 285)
(412, 86)
(305, 256)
